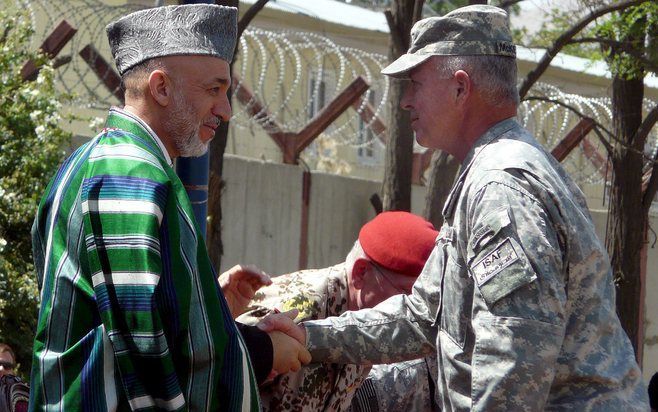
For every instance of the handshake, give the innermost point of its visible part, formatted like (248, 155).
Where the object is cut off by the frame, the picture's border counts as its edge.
(288, 342)
(239, 285)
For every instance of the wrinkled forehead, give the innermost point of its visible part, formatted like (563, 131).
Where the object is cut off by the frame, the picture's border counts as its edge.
(199, 68)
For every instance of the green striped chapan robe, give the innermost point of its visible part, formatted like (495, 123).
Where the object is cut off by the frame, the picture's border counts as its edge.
(131, 317)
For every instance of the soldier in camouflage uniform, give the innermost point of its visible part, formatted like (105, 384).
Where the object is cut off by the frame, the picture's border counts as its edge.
(386, 260)
(517, 297)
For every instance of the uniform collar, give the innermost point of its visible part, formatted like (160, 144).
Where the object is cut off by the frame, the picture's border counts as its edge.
(481, 142)
(130, 122)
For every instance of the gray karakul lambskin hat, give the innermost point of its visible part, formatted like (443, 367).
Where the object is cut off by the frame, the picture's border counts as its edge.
(467, 31)
(193, 29)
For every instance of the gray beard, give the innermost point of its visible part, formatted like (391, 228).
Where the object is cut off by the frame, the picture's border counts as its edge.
(187, 140)
(191, 146)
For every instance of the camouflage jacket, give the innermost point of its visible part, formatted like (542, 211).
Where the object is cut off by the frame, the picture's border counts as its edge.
(403, 386)
(517, 297)
(317, 293)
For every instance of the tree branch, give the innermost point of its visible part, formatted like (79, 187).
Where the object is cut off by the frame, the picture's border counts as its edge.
(599, 126)
(249, 16)
(563, 40)
(4, 35)
(396, 36)
(418, 11)
(620, 45)
(608, 147)
(642, 133)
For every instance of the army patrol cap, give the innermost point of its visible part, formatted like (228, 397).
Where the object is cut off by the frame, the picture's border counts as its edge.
(193, 29)
(468, 31)
(398, 241)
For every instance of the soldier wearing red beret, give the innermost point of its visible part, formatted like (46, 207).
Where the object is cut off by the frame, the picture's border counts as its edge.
(385, 260)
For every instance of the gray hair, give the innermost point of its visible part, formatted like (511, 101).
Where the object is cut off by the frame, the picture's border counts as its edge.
(495, 76)
(353, 255)
(132, 79)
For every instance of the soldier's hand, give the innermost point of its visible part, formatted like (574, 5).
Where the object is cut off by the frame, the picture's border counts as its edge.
(289, 354)
(239, 285)
(284, 322)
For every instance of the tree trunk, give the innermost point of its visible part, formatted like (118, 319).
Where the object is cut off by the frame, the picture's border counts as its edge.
(215, 187)
(627, 221)
(627, 218)
(396, 189)
(215, 182)
(444, 170)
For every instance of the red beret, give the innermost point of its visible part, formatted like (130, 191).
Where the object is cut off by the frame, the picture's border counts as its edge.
(398, 241)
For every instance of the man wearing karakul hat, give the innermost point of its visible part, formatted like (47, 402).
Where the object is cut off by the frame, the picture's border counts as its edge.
(131, 315)
(517, 297)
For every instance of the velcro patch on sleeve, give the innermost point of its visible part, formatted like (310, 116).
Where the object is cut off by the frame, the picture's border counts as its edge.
(494, 262)
(490, 226)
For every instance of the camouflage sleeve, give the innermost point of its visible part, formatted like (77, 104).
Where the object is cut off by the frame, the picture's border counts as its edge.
(400, 328)
(402, 386)
(514, 256)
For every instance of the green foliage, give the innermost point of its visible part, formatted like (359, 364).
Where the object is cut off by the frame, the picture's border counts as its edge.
(560, 21)
(632, 30)
(624, 38)
(31, 142)
(442, 7)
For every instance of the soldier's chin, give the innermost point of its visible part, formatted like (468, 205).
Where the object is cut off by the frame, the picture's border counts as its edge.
(421, 140)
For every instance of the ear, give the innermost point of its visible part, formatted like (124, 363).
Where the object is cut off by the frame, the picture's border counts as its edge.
(359, 271)
(160, 87)
(464, 86)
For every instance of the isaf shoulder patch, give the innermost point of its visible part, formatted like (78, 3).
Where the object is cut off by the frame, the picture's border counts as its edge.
(494, 262)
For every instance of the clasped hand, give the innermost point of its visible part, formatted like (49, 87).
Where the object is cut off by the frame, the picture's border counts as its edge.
(288, 341)
(239, 285)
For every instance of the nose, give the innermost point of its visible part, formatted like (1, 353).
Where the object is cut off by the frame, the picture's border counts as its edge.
(222, 108)
(405, 101)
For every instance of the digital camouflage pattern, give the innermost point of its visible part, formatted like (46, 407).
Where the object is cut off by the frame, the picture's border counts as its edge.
(402, 386)
(517, 297)
(317, 294)
(468, 31)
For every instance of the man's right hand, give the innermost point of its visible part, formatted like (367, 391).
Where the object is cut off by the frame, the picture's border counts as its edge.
(284, 322)
(289, 354)
(288, 340)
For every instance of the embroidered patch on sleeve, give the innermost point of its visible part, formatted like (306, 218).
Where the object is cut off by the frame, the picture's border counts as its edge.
(494, 262)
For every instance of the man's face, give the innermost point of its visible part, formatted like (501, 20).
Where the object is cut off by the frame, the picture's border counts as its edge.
(381, 284)
(430, 99)
(7, 364)
(199, 103)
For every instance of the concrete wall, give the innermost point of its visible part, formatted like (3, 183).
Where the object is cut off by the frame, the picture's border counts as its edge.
(262, 202)
(261, 209)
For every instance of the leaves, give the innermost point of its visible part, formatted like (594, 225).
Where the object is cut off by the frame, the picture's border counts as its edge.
(31, 142)
(630, 29)
(558, 22)
(607, 38)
